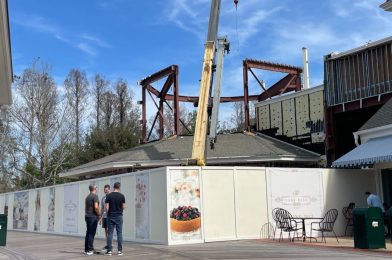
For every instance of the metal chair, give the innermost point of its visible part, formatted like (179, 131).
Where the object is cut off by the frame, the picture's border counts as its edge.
(349, 218)
(286, 223)
(326, 224)
(276, 220)
(267, 231)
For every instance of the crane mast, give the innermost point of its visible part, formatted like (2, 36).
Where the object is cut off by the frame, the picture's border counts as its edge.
(209, 62)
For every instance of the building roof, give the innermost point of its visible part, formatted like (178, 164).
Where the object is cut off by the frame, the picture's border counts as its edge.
(6, 73)
(381, 118)
(290, 95)
(387, 6)
(230, 149)
(338, 55)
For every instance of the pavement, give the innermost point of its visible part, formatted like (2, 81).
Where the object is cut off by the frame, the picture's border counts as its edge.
(27, 245)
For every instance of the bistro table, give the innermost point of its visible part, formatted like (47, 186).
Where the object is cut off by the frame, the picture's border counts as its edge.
(303, 227)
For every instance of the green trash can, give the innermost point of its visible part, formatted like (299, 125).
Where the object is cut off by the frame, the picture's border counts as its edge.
(3, 229)
(368, 226)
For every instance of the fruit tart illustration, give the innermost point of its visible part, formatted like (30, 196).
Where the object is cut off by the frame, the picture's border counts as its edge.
(185, 219)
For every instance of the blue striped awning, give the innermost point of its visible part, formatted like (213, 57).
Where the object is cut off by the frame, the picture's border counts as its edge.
(377, 150)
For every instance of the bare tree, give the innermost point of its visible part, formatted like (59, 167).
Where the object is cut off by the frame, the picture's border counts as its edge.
(7, 144)
(108, 107)
(123, 102)
(76, 86)
(37, 123)
(224, 127)
(186, 125)
(100, 85)
(237, 118)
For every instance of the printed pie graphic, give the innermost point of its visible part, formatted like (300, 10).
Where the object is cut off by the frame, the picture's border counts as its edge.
(185, 219)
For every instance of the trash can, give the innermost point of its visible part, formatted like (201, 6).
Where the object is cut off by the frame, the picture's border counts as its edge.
(3, 229)
(368, 225)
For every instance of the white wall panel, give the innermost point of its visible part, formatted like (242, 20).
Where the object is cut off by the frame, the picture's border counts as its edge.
(31, 214)
(10, 202)
(300, 191)
(44, 210)
(2, 203)
(83, 193)
(250, 201)
(218, 204)
(158, 206)
(59, 212)
(128, 189)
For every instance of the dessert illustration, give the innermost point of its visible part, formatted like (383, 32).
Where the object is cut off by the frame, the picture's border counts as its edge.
(185, 219)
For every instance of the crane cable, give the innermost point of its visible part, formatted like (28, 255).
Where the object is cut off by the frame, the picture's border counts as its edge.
(236, 25)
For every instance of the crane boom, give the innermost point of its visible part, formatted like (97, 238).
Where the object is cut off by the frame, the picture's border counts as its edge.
(200, 136)
(199, 139)
(223, 46)
(214, 21)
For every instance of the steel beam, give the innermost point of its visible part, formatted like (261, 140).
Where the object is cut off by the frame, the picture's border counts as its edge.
(193, 99)
(245, 69)
(144, 115)
(282, 86)
(152, 90)
(158, 75)
(171, 73)
(168, 83)
(176, 105)
(265, 65)
(289, 83)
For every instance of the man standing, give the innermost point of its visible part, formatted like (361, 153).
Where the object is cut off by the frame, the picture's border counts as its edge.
(115, 204)
(92, 215)
(104, 221)
(374, 201)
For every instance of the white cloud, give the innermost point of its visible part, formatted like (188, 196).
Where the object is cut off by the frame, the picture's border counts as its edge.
(35, 22)
(96, 40)
(86, 48)
(86, 42)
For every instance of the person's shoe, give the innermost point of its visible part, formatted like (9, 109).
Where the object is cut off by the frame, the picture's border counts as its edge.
(109, 253)
(89, 252)
(104, 249)
(120, 253)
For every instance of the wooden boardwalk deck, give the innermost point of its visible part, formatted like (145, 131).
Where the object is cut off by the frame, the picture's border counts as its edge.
(25, 245)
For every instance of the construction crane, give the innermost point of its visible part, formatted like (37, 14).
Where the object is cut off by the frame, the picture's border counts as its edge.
(210, 61)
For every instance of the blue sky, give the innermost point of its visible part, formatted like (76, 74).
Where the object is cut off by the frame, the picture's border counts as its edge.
(132, 39)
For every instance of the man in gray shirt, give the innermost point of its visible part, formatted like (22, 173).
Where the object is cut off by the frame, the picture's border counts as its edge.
(92, 215)
(104, 220)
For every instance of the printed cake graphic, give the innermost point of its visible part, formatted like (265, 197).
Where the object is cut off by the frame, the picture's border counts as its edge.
(185, 205)
(185, 219)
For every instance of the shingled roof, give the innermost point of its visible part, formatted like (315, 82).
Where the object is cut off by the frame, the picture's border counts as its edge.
(381, 118)
(230, 149)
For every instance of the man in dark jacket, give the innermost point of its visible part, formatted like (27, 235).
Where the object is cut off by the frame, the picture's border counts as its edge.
(92, 215)
(115, 204)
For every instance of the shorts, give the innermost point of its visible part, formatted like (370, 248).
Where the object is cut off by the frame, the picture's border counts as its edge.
(105, 223)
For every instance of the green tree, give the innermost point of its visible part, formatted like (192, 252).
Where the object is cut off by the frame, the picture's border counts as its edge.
(103, 142)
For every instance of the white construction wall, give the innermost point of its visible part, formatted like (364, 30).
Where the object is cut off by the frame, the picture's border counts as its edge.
(234, 202)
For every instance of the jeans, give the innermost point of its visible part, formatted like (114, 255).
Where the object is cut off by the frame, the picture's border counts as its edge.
(115, 221)
(91, 223)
